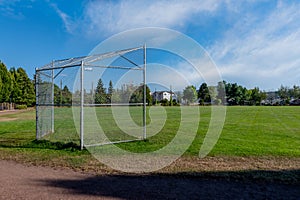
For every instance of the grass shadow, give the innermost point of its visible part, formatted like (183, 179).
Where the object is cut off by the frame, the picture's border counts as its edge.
(41, 144)
(45, 144)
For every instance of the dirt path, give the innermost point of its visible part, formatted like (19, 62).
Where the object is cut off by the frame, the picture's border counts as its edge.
(30, 182)
(4, 113)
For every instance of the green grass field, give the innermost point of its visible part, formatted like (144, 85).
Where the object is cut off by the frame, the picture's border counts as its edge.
(248, 131)
(260, 131)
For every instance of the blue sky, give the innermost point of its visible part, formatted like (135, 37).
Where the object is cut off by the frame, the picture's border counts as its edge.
(253, 43)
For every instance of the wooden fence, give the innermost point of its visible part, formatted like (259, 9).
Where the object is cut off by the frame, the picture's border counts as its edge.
(7, 106)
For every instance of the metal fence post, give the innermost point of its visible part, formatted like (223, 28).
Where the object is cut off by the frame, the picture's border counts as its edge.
(145, 96)
(81, 107)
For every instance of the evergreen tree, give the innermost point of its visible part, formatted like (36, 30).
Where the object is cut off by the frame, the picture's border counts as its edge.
(66, 95)
(57, 95)
(110, 92)
(138, 94)
(148, 95)
(100, 94)
(62, 96)
(5, 83)
(23, 88)
(203, 94)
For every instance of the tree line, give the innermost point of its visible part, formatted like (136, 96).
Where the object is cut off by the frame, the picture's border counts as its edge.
(229, 94)
(127, 93)
(223, 94)
(286, 94)
(233, 94)
(16, 87)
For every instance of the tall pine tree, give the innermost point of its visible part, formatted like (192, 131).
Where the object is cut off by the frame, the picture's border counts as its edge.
(110, 92)
(203, 94)
(23, 88)
(5, 83)
(100, 94)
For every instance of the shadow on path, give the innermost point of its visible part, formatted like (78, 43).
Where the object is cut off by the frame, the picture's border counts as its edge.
(214, 185)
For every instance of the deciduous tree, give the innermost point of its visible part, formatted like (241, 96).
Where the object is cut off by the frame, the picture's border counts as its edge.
(190, 94)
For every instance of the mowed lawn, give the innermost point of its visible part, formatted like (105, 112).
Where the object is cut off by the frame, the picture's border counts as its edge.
(248, 131)
(260, 131)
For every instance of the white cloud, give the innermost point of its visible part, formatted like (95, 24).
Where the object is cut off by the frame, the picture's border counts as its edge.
(111, 17)
(7, 8)
(259, 47)
(263, 50)
(66, 19)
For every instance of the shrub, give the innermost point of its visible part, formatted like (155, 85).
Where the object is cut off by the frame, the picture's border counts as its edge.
(21, 107)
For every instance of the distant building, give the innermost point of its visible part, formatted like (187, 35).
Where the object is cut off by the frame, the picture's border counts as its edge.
(295, 102)
(272, 98)
(161, 95)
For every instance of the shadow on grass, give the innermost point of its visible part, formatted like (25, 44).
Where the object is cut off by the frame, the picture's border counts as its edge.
(39, 144)
(45, 144)
(213, 185)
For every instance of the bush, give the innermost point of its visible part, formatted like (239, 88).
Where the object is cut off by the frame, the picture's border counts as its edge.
(164, 102)
(21, 107)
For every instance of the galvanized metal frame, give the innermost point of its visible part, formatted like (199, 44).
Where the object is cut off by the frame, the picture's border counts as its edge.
(82, 62)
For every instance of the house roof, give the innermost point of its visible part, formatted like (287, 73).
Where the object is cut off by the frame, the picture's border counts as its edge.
(160, 92)
(295, 102)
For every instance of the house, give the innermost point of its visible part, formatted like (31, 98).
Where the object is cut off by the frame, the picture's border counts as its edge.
(272, 98)
(295, 102)
(161, 95)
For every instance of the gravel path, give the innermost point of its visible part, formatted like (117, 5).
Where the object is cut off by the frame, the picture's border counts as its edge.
(30, 182)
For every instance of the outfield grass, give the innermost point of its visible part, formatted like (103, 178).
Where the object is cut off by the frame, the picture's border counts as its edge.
(248, 131)
(260, 131)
